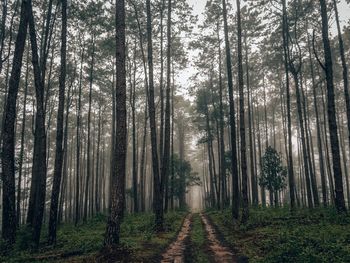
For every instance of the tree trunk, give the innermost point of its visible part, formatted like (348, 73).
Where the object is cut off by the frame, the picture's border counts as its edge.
(318, 130)
(289, 120)
(120, 149)
(20, 169)
(221, 125)
(345, 68)
(245, 201)
(234, 159)
(166, 149)
(59, 131)
(8, 146)
(38, 188)
(157, 189)
(78, 136)
(88, 161)
(98, 164)
(333, 129)
(250, 120)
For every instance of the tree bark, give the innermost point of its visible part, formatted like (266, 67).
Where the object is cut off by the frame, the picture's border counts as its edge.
(21, 155)
(333, 129)
(38, 188)
(59, 131)
(120, 150)
(345, 69)
(234, 159)
(157, 189)
(8, 146)
(289, 120)
(88, 161)
(245, 201)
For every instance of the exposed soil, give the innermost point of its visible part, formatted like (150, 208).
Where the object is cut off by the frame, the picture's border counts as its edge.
(177, 250)
(219, 252)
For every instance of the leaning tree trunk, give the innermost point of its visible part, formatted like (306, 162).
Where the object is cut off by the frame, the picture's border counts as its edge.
(21, 155)
(8, 135)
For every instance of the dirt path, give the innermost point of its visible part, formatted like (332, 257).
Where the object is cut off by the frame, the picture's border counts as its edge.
(212, 249)
(176, 251)
(220, 253)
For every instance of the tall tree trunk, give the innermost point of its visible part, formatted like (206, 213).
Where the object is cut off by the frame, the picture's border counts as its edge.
(78, 136)
(332, 122)
(309, 147)
(143, 163)
(262, 189)
(98, 164)
(157, 189)
(59, 131)
(250, 120)
(221, 125)
(161, 87)
(2, 31)
(234, 159)
(345, 68)
(289, 120)
(318, 129)
(38, 187)
(88, 161)
(132, 80)
(166, 149)
(120, 149)
(66, 164)
(21, 155)
(172, 149)
(8, 146)
(245, 201)
(9, 50)
(303, 140)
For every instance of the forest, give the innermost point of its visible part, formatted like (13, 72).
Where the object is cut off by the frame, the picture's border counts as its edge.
(174, 131)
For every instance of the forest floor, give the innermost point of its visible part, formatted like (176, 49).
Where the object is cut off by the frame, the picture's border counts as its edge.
(140, 243)
(275, 235)
(271, 235)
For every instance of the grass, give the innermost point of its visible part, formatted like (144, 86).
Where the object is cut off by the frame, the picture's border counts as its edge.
(274, 235)
(82, 243)
(198, 241)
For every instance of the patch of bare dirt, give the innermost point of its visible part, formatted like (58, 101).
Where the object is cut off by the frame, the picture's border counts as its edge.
(176, 251)
(220, 253)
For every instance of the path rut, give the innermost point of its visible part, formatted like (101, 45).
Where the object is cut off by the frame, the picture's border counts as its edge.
(220, 253)
(176, 251)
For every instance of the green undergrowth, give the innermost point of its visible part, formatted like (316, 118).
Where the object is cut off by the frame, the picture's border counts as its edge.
(198, 241)
(83, 243)
(276, 235)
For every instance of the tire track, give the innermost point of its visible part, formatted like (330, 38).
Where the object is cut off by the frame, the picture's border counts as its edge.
(176, 251)
(220, 253)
